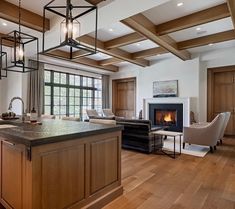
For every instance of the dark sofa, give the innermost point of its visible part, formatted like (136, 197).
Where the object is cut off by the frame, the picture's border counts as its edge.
(137, 135)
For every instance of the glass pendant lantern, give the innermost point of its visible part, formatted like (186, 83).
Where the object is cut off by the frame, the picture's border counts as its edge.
(69, 46)
(23, 47)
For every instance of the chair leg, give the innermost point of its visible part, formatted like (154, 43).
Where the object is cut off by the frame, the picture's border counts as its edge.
(215, 148)
(221, 141)
(218, 143)
(183, 145)
(211, 149)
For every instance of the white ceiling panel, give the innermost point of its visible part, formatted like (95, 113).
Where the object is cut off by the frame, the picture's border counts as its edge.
(7, 27)
(113, 31)
(170, 10)
(142, 45)
(205, 30)
(99, 56)
(160, 56)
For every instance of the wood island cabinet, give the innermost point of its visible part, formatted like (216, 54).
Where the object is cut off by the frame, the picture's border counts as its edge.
(73, 174)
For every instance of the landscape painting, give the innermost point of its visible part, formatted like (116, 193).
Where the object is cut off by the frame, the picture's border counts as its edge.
(165, 88)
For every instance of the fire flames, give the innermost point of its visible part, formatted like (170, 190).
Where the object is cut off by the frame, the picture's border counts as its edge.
(168, 118)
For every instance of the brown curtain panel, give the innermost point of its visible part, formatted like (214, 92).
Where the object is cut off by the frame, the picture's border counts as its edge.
(35, 94)
(105, 91)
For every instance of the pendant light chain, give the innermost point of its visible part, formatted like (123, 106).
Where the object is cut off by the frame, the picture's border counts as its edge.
(20, 16)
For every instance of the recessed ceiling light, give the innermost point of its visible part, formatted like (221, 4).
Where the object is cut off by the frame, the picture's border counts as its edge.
(198, 28)
(211, 44)
(110, 29)
(4, 24)
(180, 4)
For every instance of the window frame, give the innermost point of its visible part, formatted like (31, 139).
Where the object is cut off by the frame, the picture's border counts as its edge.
(68, 86)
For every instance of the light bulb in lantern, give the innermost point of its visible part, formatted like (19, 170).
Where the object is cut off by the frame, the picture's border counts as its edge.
(69, 30)
(20, 53)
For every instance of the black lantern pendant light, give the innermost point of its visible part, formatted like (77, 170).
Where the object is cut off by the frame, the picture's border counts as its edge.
(21, 45)
(70, 28)
(3, 65)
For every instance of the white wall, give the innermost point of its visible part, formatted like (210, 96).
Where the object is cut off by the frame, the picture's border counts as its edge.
(192, 77)
(187, 74)
(12, 86)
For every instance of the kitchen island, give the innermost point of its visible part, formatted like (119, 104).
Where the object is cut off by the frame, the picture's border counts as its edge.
(59, 164)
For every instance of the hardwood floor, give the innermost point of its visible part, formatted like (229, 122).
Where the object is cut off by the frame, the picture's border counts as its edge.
(158, 182)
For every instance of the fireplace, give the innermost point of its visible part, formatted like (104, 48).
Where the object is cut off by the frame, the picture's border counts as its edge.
(168, 115)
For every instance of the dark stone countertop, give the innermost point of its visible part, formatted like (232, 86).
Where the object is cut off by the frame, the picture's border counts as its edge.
(52, 131)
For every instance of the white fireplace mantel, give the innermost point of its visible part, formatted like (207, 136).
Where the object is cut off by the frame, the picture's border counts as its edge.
(170, 100)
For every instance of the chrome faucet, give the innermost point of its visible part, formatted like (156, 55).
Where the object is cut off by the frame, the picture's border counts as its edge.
(10, 106)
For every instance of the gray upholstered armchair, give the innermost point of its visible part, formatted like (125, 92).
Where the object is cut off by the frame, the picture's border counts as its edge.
(206, 135)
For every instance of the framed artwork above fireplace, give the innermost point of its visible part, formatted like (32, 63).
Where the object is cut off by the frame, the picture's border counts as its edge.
(165, 88)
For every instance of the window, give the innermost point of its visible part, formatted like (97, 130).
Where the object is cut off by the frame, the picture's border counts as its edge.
(70, 95)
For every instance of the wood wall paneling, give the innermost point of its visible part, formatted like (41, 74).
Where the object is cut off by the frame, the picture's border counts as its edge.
(221, 91)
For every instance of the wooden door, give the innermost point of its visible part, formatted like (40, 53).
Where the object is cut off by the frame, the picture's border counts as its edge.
(222, 92)
(124, 97)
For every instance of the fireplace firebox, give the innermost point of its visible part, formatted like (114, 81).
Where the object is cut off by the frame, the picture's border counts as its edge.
(167, 115)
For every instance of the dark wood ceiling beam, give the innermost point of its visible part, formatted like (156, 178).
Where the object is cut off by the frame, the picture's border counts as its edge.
(83, 61)
(195, 19)
(29, 19)
(124, 40)
(6, 42)
(144, 26)
(205, 40)
(231, 6)
(116, 53)
(201, 17)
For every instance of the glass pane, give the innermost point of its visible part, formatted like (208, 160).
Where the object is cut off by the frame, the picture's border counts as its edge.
(47, 90)
(84, 102)
(56, 100)
(56, 91)
(63, 91)
(89, 82)
(77, 92)
(56, 110)
(47, 76)
(77, 101)
(56, 77)
(63, 100)
(63, 110)
(77, 110)
(71, 80)
(84, 81)
(89, 93)
(89, 101)
(47, 110)
(47, 100)
(71, 110)
(85, 94)
(63, 78)
(71, 92)
(77, 80)
(71, 101)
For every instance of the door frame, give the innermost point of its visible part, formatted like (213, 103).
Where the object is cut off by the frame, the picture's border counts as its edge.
(114, 88)
(210, 87)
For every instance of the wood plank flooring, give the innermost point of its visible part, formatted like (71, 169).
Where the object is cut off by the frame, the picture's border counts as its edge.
(159, 182)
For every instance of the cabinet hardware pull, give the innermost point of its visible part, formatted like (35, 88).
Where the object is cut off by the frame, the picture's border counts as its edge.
(9, 143)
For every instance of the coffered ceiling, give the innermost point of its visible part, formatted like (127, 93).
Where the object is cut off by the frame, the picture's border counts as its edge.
(163, 31)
